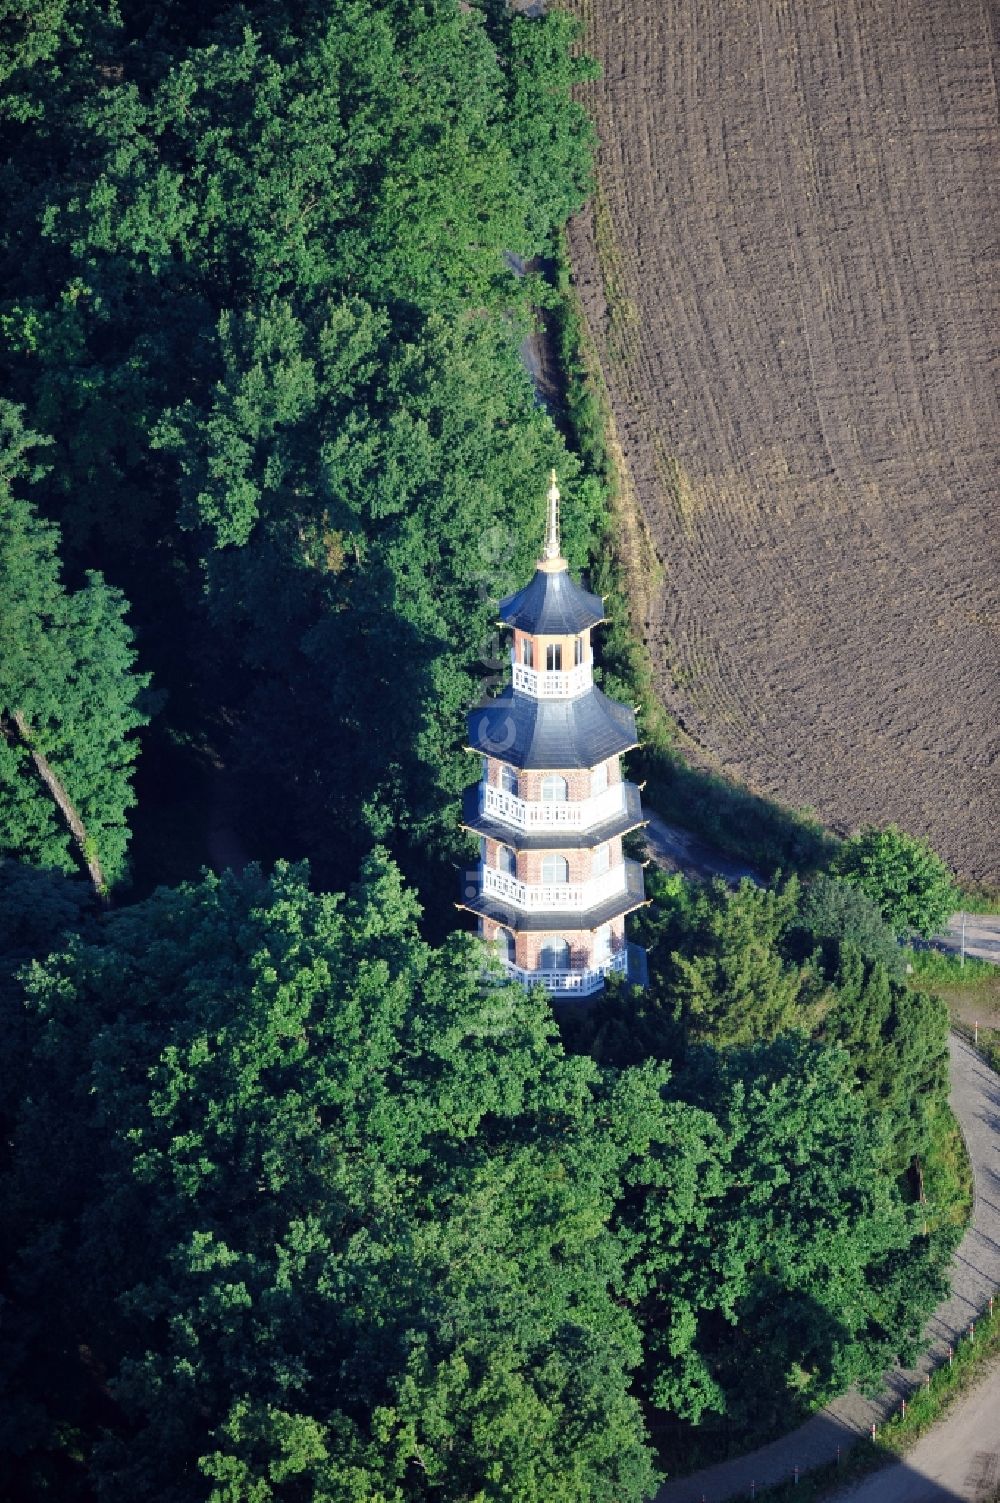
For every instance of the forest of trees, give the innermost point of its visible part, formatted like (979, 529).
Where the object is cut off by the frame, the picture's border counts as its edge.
(293, 1205)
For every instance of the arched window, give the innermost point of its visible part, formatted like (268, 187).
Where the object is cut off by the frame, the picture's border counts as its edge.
(599, 779)
(505, 945)
(508, 780)
(554, 956)
(555, 790)
(601, 861)
(555, 869)
(553, 657)
(506, 860)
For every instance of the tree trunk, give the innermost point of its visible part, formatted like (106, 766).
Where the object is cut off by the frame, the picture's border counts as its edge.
(74, 823)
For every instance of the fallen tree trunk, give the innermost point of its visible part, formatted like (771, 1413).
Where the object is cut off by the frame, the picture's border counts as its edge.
(74, 823)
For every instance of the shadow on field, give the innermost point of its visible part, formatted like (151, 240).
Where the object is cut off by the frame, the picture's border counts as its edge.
(761, 831)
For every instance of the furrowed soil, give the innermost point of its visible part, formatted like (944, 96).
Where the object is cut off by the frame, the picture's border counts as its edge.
(789, 272)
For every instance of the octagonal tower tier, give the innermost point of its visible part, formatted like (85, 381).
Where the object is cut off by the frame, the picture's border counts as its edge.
(553, 885)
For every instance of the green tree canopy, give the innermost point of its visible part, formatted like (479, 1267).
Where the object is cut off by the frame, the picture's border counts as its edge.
(255, 286)
(69, 697)
(764, 1233)
(903, 875)
(834, 913)
(721, 967)
(328, 1214)
(331, 1216)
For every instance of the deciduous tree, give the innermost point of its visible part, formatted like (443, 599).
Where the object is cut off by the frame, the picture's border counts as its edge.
(329, 1216)
(69, 699)
(903, 875)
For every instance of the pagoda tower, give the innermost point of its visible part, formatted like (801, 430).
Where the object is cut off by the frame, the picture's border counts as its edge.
(553, 886)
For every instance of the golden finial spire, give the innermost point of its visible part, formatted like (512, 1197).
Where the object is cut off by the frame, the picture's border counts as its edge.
(551, 552)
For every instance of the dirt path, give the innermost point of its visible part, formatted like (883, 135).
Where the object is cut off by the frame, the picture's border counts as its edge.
(677, 850)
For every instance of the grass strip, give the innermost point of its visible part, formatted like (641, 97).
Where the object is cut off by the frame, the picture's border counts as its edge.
(977, 899)
(924, 1408)
(941, 966)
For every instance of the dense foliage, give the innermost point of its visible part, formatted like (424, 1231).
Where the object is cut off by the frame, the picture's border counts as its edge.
(320, 1207)
(255, 288)
(291, 1205)
(69, 694)
(747, 966)
(296, 1207)
(786, 1012)
(914, 890)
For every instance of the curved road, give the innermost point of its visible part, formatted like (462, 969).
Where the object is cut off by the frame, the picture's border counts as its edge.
(960, 1457)
(975, 1099)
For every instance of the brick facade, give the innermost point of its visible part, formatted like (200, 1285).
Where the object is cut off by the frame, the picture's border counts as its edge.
(582, 945)
(581, 781)
(583, 863)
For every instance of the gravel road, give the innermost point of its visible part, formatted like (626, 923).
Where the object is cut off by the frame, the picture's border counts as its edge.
(982, 935)
(975, 1100)
(960, 1458)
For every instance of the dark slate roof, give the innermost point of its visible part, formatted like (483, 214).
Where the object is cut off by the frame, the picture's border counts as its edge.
(561, 839)
(552, 606)
(560, 733)
(488, 905)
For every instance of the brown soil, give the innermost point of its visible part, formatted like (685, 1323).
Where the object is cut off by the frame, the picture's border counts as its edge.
(789, 271)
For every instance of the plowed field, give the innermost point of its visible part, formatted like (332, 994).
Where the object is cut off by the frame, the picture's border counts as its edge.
(790, 272)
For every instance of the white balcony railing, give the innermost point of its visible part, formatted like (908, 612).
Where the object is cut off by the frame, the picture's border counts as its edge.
(542, 685)
(557, 814)
(580, 983)
(555, 896)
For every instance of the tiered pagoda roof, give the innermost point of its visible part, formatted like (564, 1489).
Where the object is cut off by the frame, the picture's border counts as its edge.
(628, 817)
(552, 733)
(553, 885)
(551, 605)
(632, 895)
